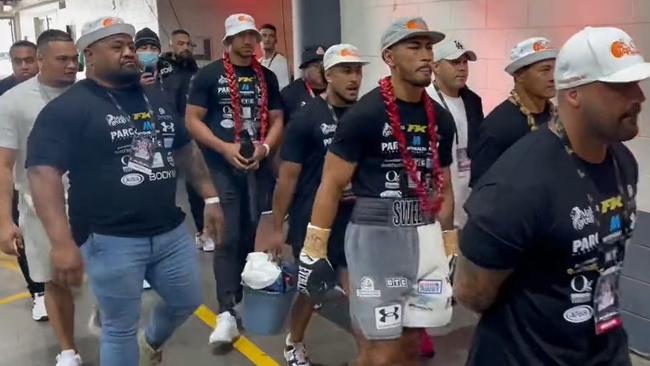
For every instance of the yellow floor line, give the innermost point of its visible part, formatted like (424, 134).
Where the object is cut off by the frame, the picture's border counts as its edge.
(9, 265)
(16, 297)
(243, 344)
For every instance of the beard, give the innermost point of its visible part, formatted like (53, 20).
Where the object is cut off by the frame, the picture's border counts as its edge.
(125, 76)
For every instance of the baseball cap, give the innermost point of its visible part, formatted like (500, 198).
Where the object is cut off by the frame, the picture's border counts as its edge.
(452, 49)
(408, 27)
(238, 23)
(312, 54)
(530, 51)
(342, 54)
(599, 54)
(146, 36)
(101, 28)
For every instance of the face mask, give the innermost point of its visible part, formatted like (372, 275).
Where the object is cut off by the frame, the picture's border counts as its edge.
(148, 59)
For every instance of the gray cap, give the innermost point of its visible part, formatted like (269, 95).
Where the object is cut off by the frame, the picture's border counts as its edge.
(101, 28)
(408, 27)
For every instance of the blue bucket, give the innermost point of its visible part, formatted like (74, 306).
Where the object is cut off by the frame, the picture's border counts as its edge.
(265, 313)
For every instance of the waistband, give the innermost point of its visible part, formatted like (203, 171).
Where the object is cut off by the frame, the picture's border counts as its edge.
(403, 212)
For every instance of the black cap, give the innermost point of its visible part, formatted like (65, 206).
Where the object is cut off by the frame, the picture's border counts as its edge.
(311, 54)
(146, 36)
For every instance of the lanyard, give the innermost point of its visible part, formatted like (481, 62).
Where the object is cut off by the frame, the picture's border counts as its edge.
(335, 118)
(128, 116)
(272, 58)
(309, 89)
(628, 202)
(444, 104)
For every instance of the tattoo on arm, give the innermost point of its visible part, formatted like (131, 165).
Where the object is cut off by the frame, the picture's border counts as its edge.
(189, 160)
(476, 287)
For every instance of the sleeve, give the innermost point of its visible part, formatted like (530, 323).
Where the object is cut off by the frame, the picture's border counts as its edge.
(275, 100)
(54, 134)
(8, 126)
(502, 224)
(296, 139)
(446, 132)
(200, 86)
(349, 139)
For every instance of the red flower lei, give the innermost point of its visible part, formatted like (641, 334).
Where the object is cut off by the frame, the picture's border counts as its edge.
(236, 101)
(388, 94)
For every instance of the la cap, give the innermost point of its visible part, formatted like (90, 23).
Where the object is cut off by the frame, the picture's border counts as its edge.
(238, 23)
(528, 52)
(342, 54)
(408, 27)
(601, 54)
(452, 49)
(101, 28)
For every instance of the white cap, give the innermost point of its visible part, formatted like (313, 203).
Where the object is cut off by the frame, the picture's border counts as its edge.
(530, 51)
(238, 23)
(451, 50)
(101, 28)
(599, 54)
(342, 54)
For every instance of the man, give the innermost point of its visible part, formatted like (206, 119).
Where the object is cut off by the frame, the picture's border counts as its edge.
(25, 66)
(303, 155)
(451, 69)
(272, 59)
(386, 145)
(297, 94)
(544, 243)
(527, 107)
(19, 108)
(121, 145)
(234, 112)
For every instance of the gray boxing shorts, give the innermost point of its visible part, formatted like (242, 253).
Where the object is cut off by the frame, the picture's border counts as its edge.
(398, 270)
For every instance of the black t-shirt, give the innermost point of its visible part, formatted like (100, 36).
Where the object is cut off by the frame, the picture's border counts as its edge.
(83, 132)
(210, 90)
(306, 143)
(7, 83)
(504, 126)
(294, 97)
(530, 213)
(365, 137)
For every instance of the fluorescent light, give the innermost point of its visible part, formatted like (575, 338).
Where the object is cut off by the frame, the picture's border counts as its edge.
(7, 8)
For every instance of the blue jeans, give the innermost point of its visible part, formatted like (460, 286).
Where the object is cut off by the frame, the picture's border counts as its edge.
(116, 267)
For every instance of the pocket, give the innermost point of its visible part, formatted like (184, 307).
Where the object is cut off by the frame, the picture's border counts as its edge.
(88, 248)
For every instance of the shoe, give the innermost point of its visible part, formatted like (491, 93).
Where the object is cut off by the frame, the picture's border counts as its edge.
(68, 358)
(208, 244)
(198, 240)
(226, 330)
(148, 355)
(295, 353)
(427, 349)
(39, 313)
(94, 323)
(145, 285)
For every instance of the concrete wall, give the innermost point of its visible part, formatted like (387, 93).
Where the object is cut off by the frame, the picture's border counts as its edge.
(205, 19)
(140, 13)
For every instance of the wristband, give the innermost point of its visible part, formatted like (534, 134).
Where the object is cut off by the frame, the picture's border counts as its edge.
(212, 200)
(268, 150)
(316, 241)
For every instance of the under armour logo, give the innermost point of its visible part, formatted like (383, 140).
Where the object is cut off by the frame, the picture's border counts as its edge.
(168, 127)
(389, 315)
(458, 45)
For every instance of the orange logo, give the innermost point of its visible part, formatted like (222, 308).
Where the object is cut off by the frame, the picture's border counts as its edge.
(107, 22)
(621, 49)
(348, 53)
(416, 24)
(245, 19)
(540, 46)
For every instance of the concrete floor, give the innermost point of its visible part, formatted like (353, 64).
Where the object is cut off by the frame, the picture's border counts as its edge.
(24, 342)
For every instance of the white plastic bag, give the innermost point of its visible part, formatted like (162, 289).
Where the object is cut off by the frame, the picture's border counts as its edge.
(260, 271)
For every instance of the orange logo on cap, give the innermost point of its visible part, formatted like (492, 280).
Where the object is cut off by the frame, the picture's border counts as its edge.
(416, 24)
(348, 53)
(621, 49)
(245, 19)
(540, 46)
(107, 22)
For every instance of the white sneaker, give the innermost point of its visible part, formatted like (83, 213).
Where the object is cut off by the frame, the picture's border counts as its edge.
(94, 323)
(198, 240)
(295, 353)
(146, 285)
(226, 330)
(39, 312)
(208, 244)
(68, 358)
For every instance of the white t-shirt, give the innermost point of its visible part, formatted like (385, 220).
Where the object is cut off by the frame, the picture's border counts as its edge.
(278, 64)
(19, 108)
(460, 168)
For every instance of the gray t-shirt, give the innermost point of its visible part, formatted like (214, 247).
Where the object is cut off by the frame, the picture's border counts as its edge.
(19, 108)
